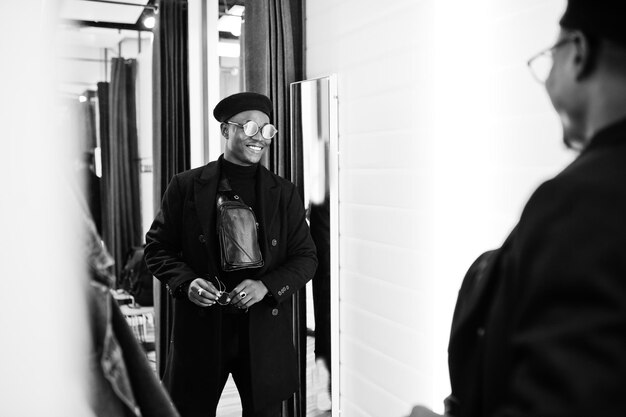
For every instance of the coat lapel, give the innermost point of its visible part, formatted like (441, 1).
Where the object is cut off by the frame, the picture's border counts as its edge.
(205, 189)
(268, 196)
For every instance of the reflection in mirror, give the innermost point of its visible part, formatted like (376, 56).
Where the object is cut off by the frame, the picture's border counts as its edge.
(313, 104)
(106, 86)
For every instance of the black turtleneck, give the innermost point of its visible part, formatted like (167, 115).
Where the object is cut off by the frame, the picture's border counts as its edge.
(242, 180)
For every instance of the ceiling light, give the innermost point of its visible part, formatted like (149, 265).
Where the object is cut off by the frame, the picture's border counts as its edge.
(149, 22)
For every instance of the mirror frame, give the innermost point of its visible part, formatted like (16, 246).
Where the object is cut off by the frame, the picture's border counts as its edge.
(326, 87)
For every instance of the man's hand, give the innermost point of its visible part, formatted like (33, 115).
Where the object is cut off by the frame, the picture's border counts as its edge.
(202, 292)
(248, 293)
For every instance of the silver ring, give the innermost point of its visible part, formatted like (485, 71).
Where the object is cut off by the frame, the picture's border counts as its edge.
(200, 292)
(242, 295)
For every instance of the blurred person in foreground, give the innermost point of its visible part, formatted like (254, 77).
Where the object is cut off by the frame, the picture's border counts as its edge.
(232, 281)
(539, 327)
(121, 382)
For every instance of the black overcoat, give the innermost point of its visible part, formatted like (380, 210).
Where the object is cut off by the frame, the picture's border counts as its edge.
(182, 245)
(540, 324)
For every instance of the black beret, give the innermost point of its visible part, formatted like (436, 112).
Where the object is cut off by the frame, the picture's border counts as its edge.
(599, 18)
(240, 102)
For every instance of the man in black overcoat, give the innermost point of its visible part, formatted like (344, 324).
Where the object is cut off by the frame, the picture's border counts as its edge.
(540, 324)
(232, 322)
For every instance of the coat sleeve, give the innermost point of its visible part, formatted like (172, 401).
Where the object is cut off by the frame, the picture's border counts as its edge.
(164, 241)
(301, 262)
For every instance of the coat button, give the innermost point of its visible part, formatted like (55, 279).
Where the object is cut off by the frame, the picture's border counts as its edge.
(480, 331)
(275, 312)
(202, 239)
(274, 242)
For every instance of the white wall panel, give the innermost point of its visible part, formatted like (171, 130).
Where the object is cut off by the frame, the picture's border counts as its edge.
(377, 224)
(389, 263)
(377, 150)
(399, 309)
(406, 378)
(385, 187)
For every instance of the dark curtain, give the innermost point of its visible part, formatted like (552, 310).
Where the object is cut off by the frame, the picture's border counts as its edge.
(87, 123)
(273, 57)
(273, 60)
(86, 164)
(120, 166)
(103, 127)
(171, 131)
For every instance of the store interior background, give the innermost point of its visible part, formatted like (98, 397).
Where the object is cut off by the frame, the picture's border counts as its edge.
(443, 135)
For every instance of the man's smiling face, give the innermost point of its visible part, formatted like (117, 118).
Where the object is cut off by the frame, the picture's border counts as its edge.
(242, 149)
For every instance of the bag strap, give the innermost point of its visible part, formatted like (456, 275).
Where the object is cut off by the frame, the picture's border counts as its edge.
(224, 185)
(226, 193)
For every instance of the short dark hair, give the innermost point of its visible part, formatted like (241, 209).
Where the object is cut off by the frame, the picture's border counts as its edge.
(603, 19)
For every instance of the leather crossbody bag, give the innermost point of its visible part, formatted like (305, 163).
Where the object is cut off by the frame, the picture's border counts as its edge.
(237, 231)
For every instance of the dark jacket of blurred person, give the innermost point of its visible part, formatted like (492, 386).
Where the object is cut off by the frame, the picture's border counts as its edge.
(120, 379)
(540, 324)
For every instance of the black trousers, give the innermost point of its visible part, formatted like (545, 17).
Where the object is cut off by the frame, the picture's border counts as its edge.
(236, 354)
